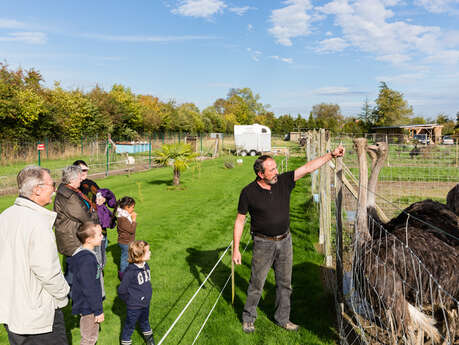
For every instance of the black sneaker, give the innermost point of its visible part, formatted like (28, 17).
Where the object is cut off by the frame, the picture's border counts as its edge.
(248, 327)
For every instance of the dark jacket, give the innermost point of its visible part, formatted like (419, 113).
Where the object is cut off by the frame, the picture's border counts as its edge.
(87, 294)
(106, 218)
(135, 288)
(126, 230)
(71, 213)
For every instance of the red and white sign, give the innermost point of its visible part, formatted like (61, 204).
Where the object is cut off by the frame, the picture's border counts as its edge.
(41, 147)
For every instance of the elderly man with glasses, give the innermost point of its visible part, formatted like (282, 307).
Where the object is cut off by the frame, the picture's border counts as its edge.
(33, 289)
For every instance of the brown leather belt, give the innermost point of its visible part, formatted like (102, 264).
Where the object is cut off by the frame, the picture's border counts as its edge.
(272, 238)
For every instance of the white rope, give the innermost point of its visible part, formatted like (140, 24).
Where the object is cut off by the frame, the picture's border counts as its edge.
(218, 298)
(192, 298)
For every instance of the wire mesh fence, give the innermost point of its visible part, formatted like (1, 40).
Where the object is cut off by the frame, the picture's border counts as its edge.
(399, 284)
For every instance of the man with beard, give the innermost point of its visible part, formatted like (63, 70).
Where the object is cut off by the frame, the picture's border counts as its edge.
(267, 199)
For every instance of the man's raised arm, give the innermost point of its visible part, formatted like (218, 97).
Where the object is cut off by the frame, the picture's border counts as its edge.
(318, 162)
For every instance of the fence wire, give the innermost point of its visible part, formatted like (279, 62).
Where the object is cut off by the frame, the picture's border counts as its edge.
(401, 286)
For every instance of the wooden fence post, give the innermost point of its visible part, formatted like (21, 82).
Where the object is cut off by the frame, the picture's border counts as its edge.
(339, 228)
(327, 206)
(322, 189)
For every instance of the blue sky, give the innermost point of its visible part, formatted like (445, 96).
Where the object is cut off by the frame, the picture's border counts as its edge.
(294, 53)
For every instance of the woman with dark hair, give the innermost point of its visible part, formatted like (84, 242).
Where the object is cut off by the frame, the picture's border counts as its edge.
(102, 198)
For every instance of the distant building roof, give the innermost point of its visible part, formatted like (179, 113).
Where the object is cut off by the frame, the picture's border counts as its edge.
(430, 125)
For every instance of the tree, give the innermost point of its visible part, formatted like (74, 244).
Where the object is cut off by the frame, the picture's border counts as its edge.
(367, 116)
(179, 156)
(150, 109)
(284, 124)
(354, 125)
(213, 120)
(73, 113)
(448, 124)
(328, 116)
(391, 109)
(22, 102)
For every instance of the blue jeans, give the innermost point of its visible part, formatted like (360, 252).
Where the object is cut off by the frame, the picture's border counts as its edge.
(132, 316)
(68, 275)
(124, 256)
(267, 253)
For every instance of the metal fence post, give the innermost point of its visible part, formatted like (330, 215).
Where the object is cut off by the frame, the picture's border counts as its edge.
(149, 153)
(39, 153)
(107, 157)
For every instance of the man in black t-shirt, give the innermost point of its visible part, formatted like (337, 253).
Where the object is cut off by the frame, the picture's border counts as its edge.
(267, 199)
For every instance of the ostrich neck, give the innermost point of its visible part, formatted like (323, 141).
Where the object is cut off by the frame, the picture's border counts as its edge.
(378, 159)
(361, 224)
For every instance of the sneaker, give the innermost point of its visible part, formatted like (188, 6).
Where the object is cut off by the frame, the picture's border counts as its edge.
(149, 340)
(248, 327)
(289, 326)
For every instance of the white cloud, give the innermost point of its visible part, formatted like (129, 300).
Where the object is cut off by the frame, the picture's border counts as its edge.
(11, 24)
(140, 38)
(438, 6)
(199, 8)
(25, 37)
(396, 59)
(290, 21)
(240, 11)
(335, 44)
(333, 91)
(444, 56)
(365, 24)
(254, 54)
(250, 27)
(402, 78)
(283, 59)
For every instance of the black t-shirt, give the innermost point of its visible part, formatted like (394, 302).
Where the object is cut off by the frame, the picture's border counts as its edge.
(269, 209)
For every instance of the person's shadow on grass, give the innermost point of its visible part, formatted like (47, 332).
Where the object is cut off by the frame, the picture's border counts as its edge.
(201, 262)
(115, 250)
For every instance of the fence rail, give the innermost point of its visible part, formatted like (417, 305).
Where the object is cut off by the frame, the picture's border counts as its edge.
(390, 290)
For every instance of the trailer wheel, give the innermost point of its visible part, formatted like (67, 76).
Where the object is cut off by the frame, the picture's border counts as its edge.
(253, 153)
(243, 153)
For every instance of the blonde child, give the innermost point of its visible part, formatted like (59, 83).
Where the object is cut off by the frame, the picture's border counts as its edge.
(88, 286)
(135, 289)
(126, 226)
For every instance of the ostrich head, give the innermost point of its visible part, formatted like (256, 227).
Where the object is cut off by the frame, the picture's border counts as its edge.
(362, 233)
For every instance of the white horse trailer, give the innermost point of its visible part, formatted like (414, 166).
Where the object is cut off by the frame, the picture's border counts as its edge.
(252, 139)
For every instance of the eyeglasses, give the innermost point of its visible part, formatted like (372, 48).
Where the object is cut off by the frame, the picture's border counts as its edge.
(47, 184)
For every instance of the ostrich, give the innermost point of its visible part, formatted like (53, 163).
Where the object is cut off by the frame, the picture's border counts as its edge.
(426, 215)
(388, 275)
(452, 199)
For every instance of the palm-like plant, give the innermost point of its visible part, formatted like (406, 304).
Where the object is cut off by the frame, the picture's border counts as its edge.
(179, 156)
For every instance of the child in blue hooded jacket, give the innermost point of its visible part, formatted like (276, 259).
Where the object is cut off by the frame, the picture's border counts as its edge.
(135, 289)
(88, 285)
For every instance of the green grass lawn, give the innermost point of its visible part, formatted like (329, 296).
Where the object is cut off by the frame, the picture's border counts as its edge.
(188, 229)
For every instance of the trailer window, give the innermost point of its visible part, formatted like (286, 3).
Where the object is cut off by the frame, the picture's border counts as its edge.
(263, 130)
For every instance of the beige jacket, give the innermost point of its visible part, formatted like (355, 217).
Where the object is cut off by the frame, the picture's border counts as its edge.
(32, 284)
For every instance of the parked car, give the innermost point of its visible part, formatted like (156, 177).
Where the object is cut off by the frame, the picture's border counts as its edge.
(447, 140)
(421, 139)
